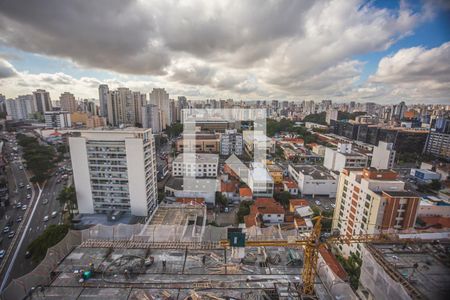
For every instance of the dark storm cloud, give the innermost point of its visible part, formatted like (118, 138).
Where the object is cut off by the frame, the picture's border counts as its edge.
(6, 69)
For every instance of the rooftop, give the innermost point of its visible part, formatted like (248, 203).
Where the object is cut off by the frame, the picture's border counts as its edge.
(197, 158)
(315, 171)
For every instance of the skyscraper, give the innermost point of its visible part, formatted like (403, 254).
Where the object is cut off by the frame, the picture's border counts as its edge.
(140, 100)
(160, 98)
(42, 101)
(103, 91)
(121, 108)
(68, 103)
(150, 118)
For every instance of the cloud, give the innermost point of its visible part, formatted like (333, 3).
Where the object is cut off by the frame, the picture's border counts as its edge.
(416, 72)
(6, 69)
(251, 48)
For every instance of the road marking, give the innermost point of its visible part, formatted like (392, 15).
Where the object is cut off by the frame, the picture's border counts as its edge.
(16, 253)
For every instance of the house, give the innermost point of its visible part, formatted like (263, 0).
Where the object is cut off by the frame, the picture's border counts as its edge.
(302, 214)
(245, 194)
(314, 180)
(265, 211)
(230, 189)
(290, 186)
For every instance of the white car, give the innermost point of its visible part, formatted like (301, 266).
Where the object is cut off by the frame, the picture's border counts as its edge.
(24, 207)
(333, 205)
(54, 214)
(2, 253)
(318, 202)
(20, 168)
(29, 196)
(45, 218)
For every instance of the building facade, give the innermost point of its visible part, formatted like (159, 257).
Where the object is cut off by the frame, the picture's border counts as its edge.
(103, 91)
(438, 144)
(343, 157)
(160, 98)
(57, 119)
(231, 142)
(314, 180)
(115, 171)
(196, 165)
(383, 156)
(67, 102)
(42, 101)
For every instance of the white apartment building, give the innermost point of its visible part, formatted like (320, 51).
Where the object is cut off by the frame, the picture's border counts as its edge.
(369, 201)
(103, 91)
(343, 157)
(57, 119)
(115, 171)
(20, 108)
(314, 180)
(260, 181)
(332, 115)
(383, 156)
(231, 142)
(196, 165)
(160, 98)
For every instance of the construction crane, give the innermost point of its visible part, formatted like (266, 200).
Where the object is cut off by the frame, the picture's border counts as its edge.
(311, 245)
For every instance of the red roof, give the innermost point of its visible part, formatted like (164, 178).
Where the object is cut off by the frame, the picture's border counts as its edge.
(436, 221)
(245, 192)
(191, 200)
(290, 184)
(333, 263)
(228, 187)
(298, 202)
(267, 206)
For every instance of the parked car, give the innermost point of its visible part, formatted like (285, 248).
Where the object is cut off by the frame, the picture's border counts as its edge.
(45, 218)
(18, 205)
(24, 207)
(19, 219)
(11, 234)
(45, 201)
(6, 229)
(20, 168)
(21, 185)
(28, 187)
(333, 205)
(2, 253)
(54, 214)
(318, 202)
(27, 254)
(29, 196)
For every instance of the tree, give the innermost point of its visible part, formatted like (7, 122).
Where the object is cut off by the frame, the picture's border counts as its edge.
(316, 118)
(50, 237)
(174, 130)
(352, 266)
(435, 185)
(244, 210)
(283, 198)
(221, 199)
(326, 220)
(68, 197)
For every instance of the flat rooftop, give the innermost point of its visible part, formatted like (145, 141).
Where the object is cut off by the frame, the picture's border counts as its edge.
(425, 266)
(197, 158)
(315, 171)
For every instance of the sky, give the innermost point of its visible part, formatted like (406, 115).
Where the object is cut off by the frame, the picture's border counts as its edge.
(346, 50)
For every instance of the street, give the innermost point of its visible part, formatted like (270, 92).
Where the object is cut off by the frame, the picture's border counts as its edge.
(14, 264)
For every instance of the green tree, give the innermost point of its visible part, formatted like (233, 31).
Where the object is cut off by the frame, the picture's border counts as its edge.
(244, 210)
(68, 196)
(316, 118)
(435, 185)
(326, 220)
(174, 130)
(352, 266)
(221, 200)
(283, 198)
(50, 237)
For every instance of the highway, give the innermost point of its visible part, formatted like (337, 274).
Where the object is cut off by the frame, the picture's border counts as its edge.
(14, 264)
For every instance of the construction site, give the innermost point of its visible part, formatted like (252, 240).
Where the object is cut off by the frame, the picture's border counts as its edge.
(177, 256)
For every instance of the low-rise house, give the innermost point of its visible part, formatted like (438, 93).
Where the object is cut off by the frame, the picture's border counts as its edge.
(290, 186)
(245, 194)
(265, 211)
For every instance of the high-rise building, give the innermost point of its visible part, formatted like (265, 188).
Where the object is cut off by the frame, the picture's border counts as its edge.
(121, 108)
(140, 100)
(42, 101)
(67, 102)
(160, 98)
(57, 119)
(231, 142)
(20, 108)
(150, 118)
(332, 115)
(369, 201)
(115, 171)
(103, 91)
(383, 156)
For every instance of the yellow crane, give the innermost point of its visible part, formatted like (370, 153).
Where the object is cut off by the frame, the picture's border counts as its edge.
(311, 245)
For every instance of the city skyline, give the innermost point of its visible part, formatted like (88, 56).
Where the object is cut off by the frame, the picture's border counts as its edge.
(380, 51)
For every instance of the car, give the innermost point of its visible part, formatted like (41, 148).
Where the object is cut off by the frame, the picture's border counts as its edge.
(45, 201)
(2, 253)
(11, 234)
(18, 205)
(333, 205)
(327, 207)
(27, 254)
(20, 168)
(54, 214)
(19, 219)
(318, 202)
(58, 180)
(28, 187)
(45, 218)
(24, 207)
(6, 229)
(21, 185)
(29, 196)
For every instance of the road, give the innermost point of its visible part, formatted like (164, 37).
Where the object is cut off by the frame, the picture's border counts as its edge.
(16, 264)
